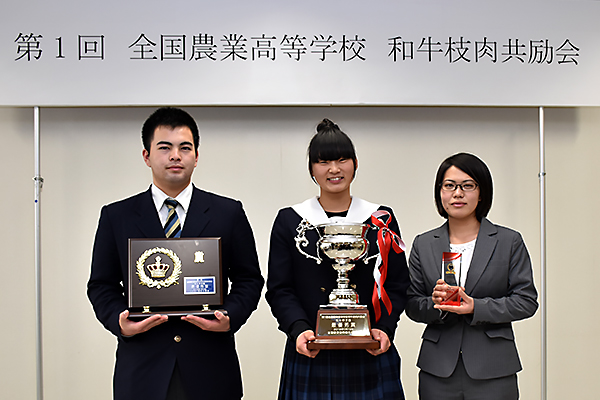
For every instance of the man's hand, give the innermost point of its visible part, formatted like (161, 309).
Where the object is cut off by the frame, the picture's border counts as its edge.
(384, 342)
(130, 328)
(302, 341)
(467, 304)
(219, 324)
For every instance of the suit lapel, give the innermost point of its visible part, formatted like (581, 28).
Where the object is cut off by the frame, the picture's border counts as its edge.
(197, 216)
(146, 216)
(484, 248)
(440, 244)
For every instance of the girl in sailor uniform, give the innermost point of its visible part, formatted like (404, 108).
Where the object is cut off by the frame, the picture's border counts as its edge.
(297, 285)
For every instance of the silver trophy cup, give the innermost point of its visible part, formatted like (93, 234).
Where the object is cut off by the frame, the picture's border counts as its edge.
(343, 323)
(345, 243)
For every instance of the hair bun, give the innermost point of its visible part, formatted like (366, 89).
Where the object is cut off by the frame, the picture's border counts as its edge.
(326, 125)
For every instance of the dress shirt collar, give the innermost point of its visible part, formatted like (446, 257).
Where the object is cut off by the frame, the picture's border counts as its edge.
(184, 198)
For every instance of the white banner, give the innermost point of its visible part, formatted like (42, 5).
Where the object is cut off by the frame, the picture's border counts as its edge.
(378, 52)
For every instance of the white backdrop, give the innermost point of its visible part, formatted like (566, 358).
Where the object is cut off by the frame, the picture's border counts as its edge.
(92, 156)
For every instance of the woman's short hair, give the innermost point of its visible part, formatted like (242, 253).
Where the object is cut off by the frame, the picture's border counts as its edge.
(330, 143)
(476, 169)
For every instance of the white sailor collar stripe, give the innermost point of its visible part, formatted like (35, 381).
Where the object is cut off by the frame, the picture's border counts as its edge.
(360, 211)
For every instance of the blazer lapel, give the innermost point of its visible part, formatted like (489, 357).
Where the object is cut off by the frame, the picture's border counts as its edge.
(440, 244)
(146, 216)
(197, 216)
(484, 248)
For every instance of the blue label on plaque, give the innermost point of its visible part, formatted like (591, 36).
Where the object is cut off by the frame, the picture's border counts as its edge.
(200, 285)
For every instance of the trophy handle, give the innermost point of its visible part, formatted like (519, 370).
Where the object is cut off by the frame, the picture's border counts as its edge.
(366, 260)
(301, 240)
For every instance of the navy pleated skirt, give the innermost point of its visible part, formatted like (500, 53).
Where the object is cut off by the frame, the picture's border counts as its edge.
(340, 375)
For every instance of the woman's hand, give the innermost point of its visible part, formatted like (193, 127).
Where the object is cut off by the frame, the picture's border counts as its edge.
(467, 305)
(384, 342)
(302, 341)
(440, 292)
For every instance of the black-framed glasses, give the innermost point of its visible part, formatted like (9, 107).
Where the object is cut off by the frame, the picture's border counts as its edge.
(465, 186)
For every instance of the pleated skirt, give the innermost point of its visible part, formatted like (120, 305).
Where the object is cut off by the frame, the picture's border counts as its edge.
(340, 375)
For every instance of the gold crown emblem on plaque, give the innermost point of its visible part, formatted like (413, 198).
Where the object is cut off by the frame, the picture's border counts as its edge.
(158, 270)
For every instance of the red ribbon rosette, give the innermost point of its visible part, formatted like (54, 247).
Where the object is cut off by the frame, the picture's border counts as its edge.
(386, 240)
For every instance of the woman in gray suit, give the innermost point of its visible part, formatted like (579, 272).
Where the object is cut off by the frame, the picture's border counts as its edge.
(468, 350)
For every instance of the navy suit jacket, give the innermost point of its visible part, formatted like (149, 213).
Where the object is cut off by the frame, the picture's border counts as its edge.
(207, 360)
(500, 281)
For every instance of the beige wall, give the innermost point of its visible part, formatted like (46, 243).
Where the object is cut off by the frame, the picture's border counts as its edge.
(92, 156)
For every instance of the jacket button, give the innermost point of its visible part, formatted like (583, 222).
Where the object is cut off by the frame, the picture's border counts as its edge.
(177, 338)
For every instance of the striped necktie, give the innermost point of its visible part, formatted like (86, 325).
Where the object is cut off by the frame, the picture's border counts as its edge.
(172, 226)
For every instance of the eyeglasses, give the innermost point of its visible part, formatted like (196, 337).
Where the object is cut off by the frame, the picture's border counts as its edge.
(466, 186)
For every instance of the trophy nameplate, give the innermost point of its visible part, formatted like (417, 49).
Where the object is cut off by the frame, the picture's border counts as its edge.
(174, 277)
(343, 323)
(343, 329)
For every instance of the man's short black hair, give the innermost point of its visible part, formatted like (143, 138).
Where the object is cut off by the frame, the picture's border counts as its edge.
(171, 117)
(476, 169)
(330, 143)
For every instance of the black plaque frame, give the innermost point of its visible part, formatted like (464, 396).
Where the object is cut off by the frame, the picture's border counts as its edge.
(200, 260)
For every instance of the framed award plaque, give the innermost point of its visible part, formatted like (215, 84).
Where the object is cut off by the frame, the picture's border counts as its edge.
(174, 277)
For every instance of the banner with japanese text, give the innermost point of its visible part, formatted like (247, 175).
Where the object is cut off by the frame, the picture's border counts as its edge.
(378, 52)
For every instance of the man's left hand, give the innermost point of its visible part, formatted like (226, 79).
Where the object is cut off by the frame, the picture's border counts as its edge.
(219, 324)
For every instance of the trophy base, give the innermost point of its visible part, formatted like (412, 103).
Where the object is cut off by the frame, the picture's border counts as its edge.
(336, 343)
(343, 297)
(136, 315)
(342, 306)
(343, 329)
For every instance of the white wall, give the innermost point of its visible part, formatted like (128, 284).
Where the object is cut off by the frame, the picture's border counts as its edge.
(92, 156)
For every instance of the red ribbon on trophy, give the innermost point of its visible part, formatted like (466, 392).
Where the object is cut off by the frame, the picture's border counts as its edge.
(386, 240)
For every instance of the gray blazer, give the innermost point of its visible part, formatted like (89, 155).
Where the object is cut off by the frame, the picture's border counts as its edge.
(500, 280)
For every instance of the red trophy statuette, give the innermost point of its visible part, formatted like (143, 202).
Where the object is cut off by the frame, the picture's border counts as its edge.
(450, 266)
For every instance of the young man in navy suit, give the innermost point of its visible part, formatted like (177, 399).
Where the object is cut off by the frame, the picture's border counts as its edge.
(188, 357)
